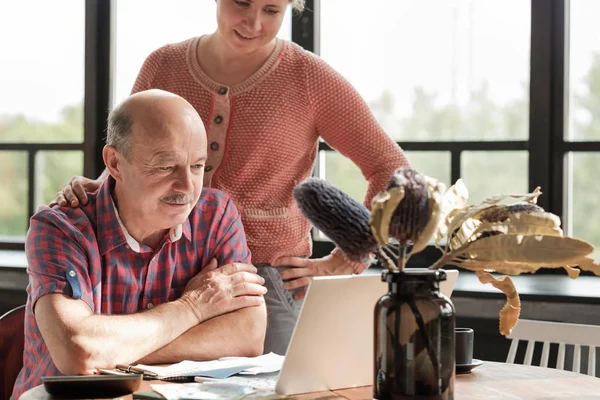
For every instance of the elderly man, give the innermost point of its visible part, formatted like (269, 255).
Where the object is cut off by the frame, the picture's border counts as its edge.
(152, 269)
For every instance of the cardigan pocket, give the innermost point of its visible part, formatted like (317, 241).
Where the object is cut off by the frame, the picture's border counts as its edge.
(257, 213)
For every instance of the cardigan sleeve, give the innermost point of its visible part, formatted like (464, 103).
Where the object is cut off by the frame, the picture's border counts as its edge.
(343, 119)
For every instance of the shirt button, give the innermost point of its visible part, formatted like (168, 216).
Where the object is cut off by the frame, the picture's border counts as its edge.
(223, 90)
(208, 168)
(218, 119)
(214, 146)
(72, 273)
(149, 306)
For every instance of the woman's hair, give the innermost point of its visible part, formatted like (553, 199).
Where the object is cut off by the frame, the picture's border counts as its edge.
(298, 5)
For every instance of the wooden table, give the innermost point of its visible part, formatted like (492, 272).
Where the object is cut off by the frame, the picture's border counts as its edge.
(491, 380)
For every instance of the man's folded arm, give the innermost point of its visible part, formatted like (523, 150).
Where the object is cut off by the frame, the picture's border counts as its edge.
(239, 333)
(80, 342)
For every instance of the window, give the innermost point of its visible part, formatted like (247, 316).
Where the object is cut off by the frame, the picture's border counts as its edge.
(504, 93)
(442, 78)
(583, 128)
(41, 107)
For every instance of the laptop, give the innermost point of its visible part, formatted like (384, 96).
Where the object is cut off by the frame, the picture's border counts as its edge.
(332, 344)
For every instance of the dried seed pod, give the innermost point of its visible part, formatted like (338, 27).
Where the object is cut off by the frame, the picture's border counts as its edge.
(501, 213)
(412, 214)
(341, 218)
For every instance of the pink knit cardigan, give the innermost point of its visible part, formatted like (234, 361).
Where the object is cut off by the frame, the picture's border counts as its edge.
(263, 135)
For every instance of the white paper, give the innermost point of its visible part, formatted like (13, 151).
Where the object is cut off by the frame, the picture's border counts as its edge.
(201, 391)
(230, 365)
(264, 383)
(266, 363)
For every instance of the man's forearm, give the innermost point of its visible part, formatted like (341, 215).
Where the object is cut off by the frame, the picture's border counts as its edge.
(103, 341)
(239, 333)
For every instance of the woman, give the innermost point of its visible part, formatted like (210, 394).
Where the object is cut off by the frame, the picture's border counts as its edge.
(265, 102)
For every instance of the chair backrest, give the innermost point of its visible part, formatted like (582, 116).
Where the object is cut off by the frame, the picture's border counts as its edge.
(560, 333)
(12, 339)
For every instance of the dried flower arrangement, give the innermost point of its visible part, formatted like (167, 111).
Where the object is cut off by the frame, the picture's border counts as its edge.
(414, 210)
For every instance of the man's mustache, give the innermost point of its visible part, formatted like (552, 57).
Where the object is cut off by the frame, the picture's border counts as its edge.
(177, 199)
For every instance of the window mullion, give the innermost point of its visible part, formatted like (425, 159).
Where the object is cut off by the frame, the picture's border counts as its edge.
(98, 73)
(547, 105)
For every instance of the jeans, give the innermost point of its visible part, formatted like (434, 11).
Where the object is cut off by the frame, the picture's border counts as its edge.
(282, 309)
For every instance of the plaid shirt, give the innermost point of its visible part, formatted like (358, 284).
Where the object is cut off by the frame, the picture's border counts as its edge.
(87, 254)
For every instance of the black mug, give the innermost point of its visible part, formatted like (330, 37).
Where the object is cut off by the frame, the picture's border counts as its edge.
(463, 339)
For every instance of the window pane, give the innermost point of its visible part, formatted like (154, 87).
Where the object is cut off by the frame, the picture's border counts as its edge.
(584, 71)
(13, 192)
(435, 164)
(488, 173)
(42, 80)
(436, 69)
(342, 173)
(52, 170)
(583, 215)
(145, 25)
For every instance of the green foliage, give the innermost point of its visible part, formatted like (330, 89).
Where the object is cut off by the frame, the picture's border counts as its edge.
(586, 126)
(13, 191)
(52, 168)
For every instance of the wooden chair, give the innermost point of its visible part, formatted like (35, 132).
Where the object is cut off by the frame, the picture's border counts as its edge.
(563, 334)
(12, 339)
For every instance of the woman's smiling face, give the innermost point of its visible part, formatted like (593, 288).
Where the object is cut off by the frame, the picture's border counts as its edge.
(248, 25)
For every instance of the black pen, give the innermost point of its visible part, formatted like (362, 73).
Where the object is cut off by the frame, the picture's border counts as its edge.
(131, 368)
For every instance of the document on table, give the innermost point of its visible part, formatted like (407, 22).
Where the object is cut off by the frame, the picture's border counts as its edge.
(221, 368)
(213, 390)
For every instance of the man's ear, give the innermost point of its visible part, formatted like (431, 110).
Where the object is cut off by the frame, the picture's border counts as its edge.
(113, 161)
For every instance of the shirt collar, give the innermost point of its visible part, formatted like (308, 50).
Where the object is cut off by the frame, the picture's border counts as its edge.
(111, 231)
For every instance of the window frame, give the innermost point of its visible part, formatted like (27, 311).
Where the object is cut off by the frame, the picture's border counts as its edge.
(546, 146)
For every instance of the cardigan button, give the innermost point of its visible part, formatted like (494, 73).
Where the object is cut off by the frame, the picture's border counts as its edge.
(223, 90)
(218, 119)
(214, 146)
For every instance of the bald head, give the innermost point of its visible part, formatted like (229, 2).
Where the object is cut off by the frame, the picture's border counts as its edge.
(150, 116)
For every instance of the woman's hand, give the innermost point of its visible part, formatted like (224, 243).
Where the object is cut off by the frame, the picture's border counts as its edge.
(74, 192)
(303, 269)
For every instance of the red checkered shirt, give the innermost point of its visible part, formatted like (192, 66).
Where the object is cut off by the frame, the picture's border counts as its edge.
(86, 254)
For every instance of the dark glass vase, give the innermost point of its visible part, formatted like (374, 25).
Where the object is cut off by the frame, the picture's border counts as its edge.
(414, 338)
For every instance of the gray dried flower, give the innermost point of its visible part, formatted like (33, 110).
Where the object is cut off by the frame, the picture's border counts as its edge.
(344, 220)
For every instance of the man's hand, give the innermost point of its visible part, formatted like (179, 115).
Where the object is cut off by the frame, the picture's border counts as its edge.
(305, 268)
(74, 192)
(216, 291)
